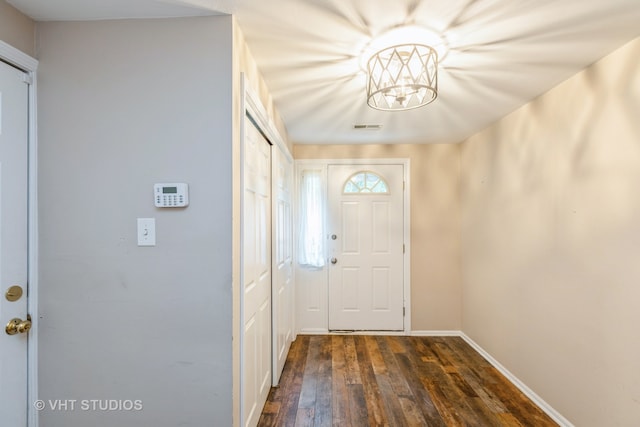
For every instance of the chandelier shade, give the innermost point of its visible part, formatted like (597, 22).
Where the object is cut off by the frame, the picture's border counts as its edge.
(402, 77)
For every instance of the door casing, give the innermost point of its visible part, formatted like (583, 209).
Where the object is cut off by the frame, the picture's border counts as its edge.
(28, 64)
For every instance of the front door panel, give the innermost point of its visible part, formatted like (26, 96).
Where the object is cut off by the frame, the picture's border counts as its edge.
(365, 225)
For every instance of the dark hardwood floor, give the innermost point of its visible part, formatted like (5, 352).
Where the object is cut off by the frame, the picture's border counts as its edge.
(352, 380)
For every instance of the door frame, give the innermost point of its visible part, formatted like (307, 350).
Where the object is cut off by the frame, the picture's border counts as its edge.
(29, 65)
(406, 163)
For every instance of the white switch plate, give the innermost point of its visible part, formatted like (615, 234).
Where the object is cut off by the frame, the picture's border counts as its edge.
(146, 231)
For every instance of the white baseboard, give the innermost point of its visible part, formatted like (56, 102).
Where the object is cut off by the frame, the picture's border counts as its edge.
(548, 409)
(544, 406)
(436, 333)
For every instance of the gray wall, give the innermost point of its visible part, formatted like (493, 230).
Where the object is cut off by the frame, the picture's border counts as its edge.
(122, 105)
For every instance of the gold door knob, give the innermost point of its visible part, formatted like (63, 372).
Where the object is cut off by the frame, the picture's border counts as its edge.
(18, 326)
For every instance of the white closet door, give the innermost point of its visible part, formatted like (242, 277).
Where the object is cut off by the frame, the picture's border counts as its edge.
(283, 297)
(256, 274)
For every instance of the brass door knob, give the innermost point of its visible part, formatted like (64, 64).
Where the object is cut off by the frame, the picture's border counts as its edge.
(18, 326)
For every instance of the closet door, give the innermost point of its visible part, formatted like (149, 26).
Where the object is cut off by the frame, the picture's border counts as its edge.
(282, 294)
(256, 274)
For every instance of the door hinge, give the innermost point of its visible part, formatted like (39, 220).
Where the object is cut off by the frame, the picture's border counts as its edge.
(404, 311)
(26, 78)
(403, 249)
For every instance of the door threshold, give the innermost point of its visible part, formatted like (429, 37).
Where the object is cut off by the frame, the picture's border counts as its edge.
(366, 332)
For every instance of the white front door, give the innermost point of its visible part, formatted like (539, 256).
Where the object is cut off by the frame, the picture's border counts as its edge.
(256, 274)
(13, 245)
(365, 225)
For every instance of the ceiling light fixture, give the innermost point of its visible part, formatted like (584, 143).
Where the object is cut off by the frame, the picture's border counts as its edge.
(402, 77)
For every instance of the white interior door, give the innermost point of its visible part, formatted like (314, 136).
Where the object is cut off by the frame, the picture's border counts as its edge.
(365, 225)
(13, 244)
(282, 295)
(256, 274)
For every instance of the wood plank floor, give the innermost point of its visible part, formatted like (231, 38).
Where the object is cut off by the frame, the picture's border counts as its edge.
(352, 380)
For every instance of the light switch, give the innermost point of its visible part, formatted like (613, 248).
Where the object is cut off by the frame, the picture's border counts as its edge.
(146, 231)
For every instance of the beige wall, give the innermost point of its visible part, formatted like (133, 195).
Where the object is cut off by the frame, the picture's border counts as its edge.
(123, 105)
(17, 29)
(245, 63)
(551, 238)
(435, 252)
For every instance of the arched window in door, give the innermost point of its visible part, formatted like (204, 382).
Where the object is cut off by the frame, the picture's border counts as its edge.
(365, 182)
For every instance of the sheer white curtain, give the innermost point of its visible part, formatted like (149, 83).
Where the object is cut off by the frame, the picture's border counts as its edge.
(311, 233)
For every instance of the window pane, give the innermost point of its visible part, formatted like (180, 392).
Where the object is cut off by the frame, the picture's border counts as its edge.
(351, 188)
(365, 182)
(371, 179)
(311, 233)
(380, 187)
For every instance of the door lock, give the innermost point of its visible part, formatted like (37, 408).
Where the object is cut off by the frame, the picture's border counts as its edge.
(18, 326)
(14, 293)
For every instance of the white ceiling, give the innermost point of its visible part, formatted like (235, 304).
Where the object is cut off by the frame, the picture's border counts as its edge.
(501, 54)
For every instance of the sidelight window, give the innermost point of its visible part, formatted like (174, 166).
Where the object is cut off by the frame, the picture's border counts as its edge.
(312, 206)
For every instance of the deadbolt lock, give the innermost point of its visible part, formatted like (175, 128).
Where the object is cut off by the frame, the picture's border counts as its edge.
(18, 326)
(14, 293)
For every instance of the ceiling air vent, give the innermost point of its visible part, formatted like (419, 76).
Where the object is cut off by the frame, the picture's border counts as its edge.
(367, 127)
